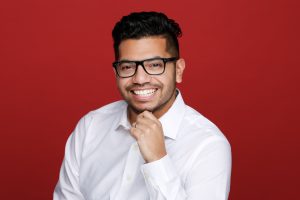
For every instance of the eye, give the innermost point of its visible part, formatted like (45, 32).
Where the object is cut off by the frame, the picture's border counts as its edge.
(154, 64)
(126, 66)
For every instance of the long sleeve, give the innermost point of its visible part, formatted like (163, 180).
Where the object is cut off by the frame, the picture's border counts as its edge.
(99, 162)
(208, 175)
(68, 184)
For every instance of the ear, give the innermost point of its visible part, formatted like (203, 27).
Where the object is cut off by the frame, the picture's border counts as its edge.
(180, 66)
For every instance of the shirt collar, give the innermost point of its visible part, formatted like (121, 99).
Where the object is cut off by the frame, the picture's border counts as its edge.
(123, 120)
(170, 121)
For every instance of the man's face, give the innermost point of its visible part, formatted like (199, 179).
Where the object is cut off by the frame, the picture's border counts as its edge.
(154, 93)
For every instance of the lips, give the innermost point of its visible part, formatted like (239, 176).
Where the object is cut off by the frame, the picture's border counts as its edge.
(144, 93)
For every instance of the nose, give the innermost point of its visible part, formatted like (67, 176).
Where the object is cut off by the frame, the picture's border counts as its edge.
(141, 76)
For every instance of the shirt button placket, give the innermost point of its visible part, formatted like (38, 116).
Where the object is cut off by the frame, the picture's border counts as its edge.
(131, 168)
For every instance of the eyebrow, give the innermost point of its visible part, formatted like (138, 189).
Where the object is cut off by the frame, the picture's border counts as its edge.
(126, 60)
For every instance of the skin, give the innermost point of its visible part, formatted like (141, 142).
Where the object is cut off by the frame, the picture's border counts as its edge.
(144, 111)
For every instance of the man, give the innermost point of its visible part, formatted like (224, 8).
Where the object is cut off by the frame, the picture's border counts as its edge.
(151, 145)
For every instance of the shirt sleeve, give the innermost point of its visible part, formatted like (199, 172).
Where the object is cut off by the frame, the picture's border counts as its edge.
(208, 175)
(68, 184)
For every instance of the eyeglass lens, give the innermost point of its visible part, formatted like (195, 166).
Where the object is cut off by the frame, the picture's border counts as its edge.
(155, 66)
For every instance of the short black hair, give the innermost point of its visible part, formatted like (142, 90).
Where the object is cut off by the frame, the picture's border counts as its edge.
(146, 24)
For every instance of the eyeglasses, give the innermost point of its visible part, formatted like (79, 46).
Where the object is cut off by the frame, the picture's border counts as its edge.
(152, 66)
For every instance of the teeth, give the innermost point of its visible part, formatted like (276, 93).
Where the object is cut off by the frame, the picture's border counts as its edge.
(144, 92)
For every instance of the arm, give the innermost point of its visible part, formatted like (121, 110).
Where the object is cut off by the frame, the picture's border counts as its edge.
(209, 166)
(68, 183)
(208, 176)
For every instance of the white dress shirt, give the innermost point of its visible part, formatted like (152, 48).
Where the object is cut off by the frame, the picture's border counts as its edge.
(102, 160)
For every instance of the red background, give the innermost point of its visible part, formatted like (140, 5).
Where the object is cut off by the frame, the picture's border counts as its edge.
(242, 72)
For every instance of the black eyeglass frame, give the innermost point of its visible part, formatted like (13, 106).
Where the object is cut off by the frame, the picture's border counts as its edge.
(141, 63)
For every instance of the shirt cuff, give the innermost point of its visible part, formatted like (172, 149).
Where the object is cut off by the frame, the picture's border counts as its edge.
(159, 171)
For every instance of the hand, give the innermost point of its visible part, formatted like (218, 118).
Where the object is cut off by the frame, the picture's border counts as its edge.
(148, 132)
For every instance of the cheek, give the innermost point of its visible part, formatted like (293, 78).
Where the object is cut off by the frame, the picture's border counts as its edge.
(119, 84)
(167, 83)
(170, 79)
(122, 84)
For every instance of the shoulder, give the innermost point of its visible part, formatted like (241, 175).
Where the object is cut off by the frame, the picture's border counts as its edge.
(201, 130)
(107, 110)
(205, 140)
(95, 119)
(103, 113)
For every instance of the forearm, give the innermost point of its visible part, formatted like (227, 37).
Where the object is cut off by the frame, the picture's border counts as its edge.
(206, 175)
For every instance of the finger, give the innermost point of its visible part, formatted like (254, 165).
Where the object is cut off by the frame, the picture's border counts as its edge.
(146, 115)
(144, 121)
(133, 124)
(136, 133)
(143, 128)
(149, 115)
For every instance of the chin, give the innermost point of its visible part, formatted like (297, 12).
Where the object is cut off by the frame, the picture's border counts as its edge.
(138, 109)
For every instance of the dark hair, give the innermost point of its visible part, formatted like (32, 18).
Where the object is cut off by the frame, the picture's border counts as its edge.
(146, 24)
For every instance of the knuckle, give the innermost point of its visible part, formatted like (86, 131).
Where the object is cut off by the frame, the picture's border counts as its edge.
(145, 111)
(147, 130)
(154, 125)
(134, 132)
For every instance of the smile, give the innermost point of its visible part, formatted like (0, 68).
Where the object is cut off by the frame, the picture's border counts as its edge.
(144, 93)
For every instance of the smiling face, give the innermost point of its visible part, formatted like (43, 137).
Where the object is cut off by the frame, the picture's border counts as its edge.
(155, 93)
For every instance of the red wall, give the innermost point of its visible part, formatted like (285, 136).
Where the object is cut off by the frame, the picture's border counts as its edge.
(242, 72)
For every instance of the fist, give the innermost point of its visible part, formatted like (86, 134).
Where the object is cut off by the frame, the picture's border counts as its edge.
(148, 132)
